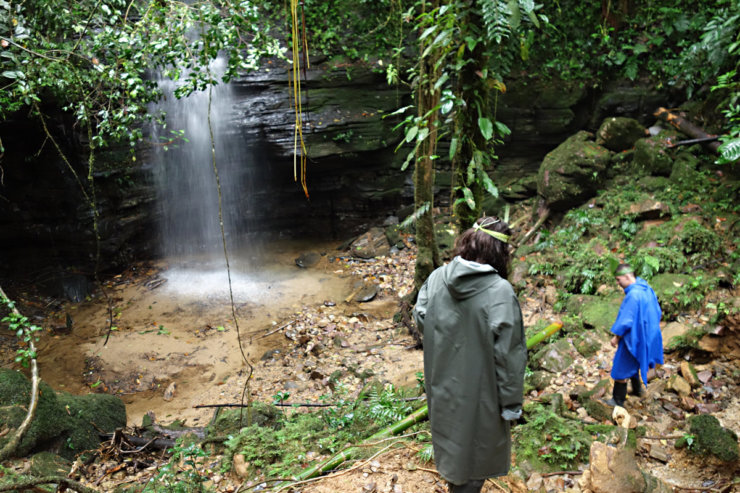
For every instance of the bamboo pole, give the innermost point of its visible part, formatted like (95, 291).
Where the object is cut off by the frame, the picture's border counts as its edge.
(416, 417)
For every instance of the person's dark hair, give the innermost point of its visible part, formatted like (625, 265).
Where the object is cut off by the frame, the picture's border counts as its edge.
(623, 269)
(479, 246)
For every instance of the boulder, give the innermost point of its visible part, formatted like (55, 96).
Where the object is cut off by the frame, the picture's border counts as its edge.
(595, 311)
(613, 467)
(572, 172)
(710, 438)
(64, 423)
(651, 156)
(371, 244)
(619, 133)
(555, 357)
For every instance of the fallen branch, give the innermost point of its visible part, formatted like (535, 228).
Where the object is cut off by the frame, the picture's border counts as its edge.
(60, 480)
(561, 473)
(694, 141)
(12, 444)
(277, 330)
(543, 216)
(686, 127)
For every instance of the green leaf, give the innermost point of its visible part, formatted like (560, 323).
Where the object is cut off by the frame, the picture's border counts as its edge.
(411, 133)
(468, 195)
(453, 147)
(730, 151)
(502, 129)
(488, 184)
(486, 127)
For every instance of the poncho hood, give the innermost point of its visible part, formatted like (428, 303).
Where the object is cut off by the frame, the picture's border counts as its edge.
(465, 278)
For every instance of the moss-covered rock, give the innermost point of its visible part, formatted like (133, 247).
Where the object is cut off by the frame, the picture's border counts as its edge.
(46, 464)
(587, 343)
(651, 156)
(538, 379)
(555, 357)
(684, 170)
(572, 172)
(593, 400)
(64, 423)
(710, 438)
(619, 133)
(90, 414)
(595, 311)
(50, 422)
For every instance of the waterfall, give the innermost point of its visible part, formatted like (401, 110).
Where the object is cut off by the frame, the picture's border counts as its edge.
(188, 196)
(186, 184)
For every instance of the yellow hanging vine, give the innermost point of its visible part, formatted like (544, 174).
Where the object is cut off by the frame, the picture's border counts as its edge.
(298, 36)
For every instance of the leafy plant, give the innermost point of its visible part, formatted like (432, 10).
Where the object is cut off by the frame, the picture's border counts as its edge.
(551, 439)
(181, 473)
(25, 331)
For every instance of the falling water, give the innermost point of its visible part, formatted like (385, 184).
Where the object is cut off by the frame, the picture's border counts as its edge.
(188, 195)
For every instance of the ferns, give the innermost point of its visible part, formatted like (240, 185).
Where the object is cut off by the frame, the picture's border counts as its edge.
(496, 18)
(730, 151)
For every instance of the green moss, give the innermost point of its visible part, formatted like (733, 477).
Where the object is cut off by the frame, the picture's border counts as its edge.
(595, 408)
(595, 311)
(50, 421)
(548, 441)
(709, 437)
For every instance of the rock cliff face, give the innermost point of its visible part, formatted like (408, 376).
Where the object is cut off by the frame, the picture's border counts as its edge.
(354, 175)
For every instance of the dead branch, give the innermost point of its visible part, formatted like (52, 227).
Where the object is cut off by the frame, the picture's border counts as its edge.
(686, 127)
(543, 217)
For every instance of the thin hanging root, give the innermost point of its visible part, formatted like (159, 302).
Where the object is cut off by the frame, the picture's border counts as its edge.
(298, 35)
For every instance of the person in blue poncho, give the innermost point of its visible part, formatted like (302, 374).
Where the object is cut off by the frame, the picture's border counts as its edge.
(637, 335)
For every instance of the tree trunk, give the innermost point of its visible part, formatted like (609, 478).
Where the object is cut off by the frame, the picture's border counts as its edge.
(473, 89)
(427, 257)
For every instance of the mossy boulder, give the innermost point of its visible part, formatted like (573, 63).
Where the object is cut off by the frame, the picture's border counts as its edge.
(50, 422)
(45, 464)
(651, 156)
(64, 423)
(555, 357)
(88, 415)
(710, 438)
(684, 169)
(593, 400)
(587, 343)
(596, 311)
(572, 172)
(619, 133)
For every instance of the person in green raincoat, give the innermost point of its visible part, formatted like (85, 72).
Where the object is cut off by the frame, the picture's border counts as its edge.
(474, 357)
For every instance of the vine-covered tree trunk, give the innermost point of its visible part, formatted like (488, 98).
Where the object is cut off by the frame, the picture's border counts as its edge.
(427, 258)
(472, 88)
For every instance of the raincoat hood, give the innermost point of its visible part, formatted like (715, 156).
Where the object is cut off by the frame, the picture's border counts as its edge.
(465, 278)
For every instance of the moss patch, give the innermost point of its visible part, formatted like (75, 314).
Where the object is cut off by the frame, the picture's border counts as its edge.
(710, 438)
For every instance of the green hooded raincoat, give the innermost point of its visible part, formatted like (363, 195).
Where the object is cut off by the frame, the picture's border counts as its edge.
(474, 358)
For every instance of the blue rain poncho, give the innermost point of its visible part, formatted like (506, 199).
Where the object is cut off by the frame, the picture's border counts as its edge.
(638, 325)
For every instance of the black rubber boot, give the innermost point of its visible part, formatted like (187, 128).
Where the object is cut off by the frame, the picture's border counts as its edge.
(636, 385)
(619, 394)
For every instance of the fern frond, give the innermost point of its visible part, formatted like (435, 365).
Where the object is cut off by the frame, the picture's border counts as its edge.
(730, 151)
(426, 454)
(411, 219)
(497, 17)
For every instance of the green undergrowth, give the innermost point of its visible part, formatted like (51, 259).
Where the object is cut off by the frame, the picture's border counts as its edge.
(661, 226)
(292, 440)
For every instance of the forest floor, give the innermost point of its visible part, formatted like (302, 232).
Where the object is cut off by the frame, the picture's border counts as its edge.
(298, 347)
